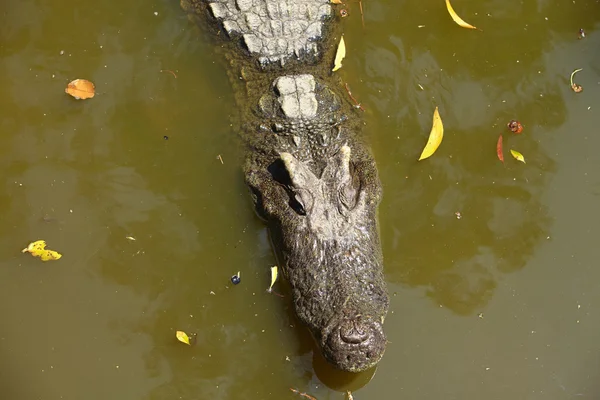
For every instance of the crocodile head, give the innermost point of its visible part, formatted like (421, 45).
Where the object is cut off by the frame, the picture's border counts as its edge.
(323, 222)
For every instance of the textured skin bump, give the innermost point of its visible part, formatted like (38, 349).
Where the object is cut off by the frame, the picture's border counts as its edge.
(297, 96)
(274, 30)
(306, 117)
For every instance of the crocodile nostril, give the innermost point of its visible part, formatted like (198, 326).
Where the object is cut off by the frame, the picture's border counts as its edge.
(354, 333)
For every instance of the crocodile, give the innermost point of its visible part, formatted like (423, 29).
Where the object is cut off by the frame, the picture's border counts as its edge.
(311, 174)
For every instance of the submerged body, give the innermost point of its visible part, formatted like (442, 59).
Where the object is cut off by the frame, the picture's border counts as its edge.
(311, 175)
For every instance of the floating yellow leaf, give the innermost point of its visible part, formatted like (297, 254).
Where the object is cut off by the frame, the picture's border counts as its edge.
(435, 136)
(35, 247)
(50, 255)
(81, 89)
(183, 337)
(273, 277)
(336, 1)
(339, 55)
(517, 156)
(456, 18)
(38, 249)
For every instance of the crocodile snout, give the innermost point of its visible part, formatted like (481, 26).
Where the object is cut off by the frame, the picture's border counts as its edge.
(353, 332)
(355, 344)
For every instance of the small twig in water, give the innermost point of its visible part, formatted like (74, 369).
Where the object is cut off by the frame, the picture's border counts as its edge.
(169, 71)
(220, 159)
(576, 88)
(362, 16)
(303, 394)
(356, 103)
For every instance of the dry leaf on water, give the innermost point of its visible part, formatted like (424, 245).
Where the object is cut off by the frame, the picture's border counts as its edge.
(339, 55)
(499, 149)
(81, 89)
(336, 1)
(435, 136)
(458, 19)
(518, 156)
(38, 249)
(515, 126)
(183, 337)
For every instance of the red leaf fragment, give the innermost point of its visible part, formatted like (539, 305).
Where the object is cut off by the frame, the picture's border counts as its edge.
(499, 149)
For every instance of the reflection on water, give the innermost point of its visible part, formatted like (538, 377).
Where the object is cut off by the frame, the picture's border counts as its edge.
(140, 160)
(456, 222)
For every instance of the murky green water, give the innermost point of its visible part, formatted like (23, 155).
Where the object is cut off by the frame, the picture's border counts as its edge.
(493, 268)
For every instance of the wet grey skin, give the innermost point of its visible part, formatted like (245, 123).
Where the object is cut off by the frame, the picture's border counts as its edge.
(310, 173)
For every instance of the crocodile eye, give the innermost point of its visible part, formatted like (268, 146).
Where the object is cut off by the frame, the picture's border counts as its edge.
(345, 179)
(336, 131)
(348, 195)
(297, 203)
(299, 182)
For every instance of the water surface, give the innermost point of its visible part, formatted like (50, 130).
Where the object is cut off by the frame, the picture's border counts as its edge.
(492, 267)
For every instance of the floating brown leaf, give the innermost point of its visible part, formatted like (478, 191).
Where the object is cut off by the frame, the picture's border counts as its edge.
(499, 149)
(515, 126)
(81, 89)
(458, 19)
